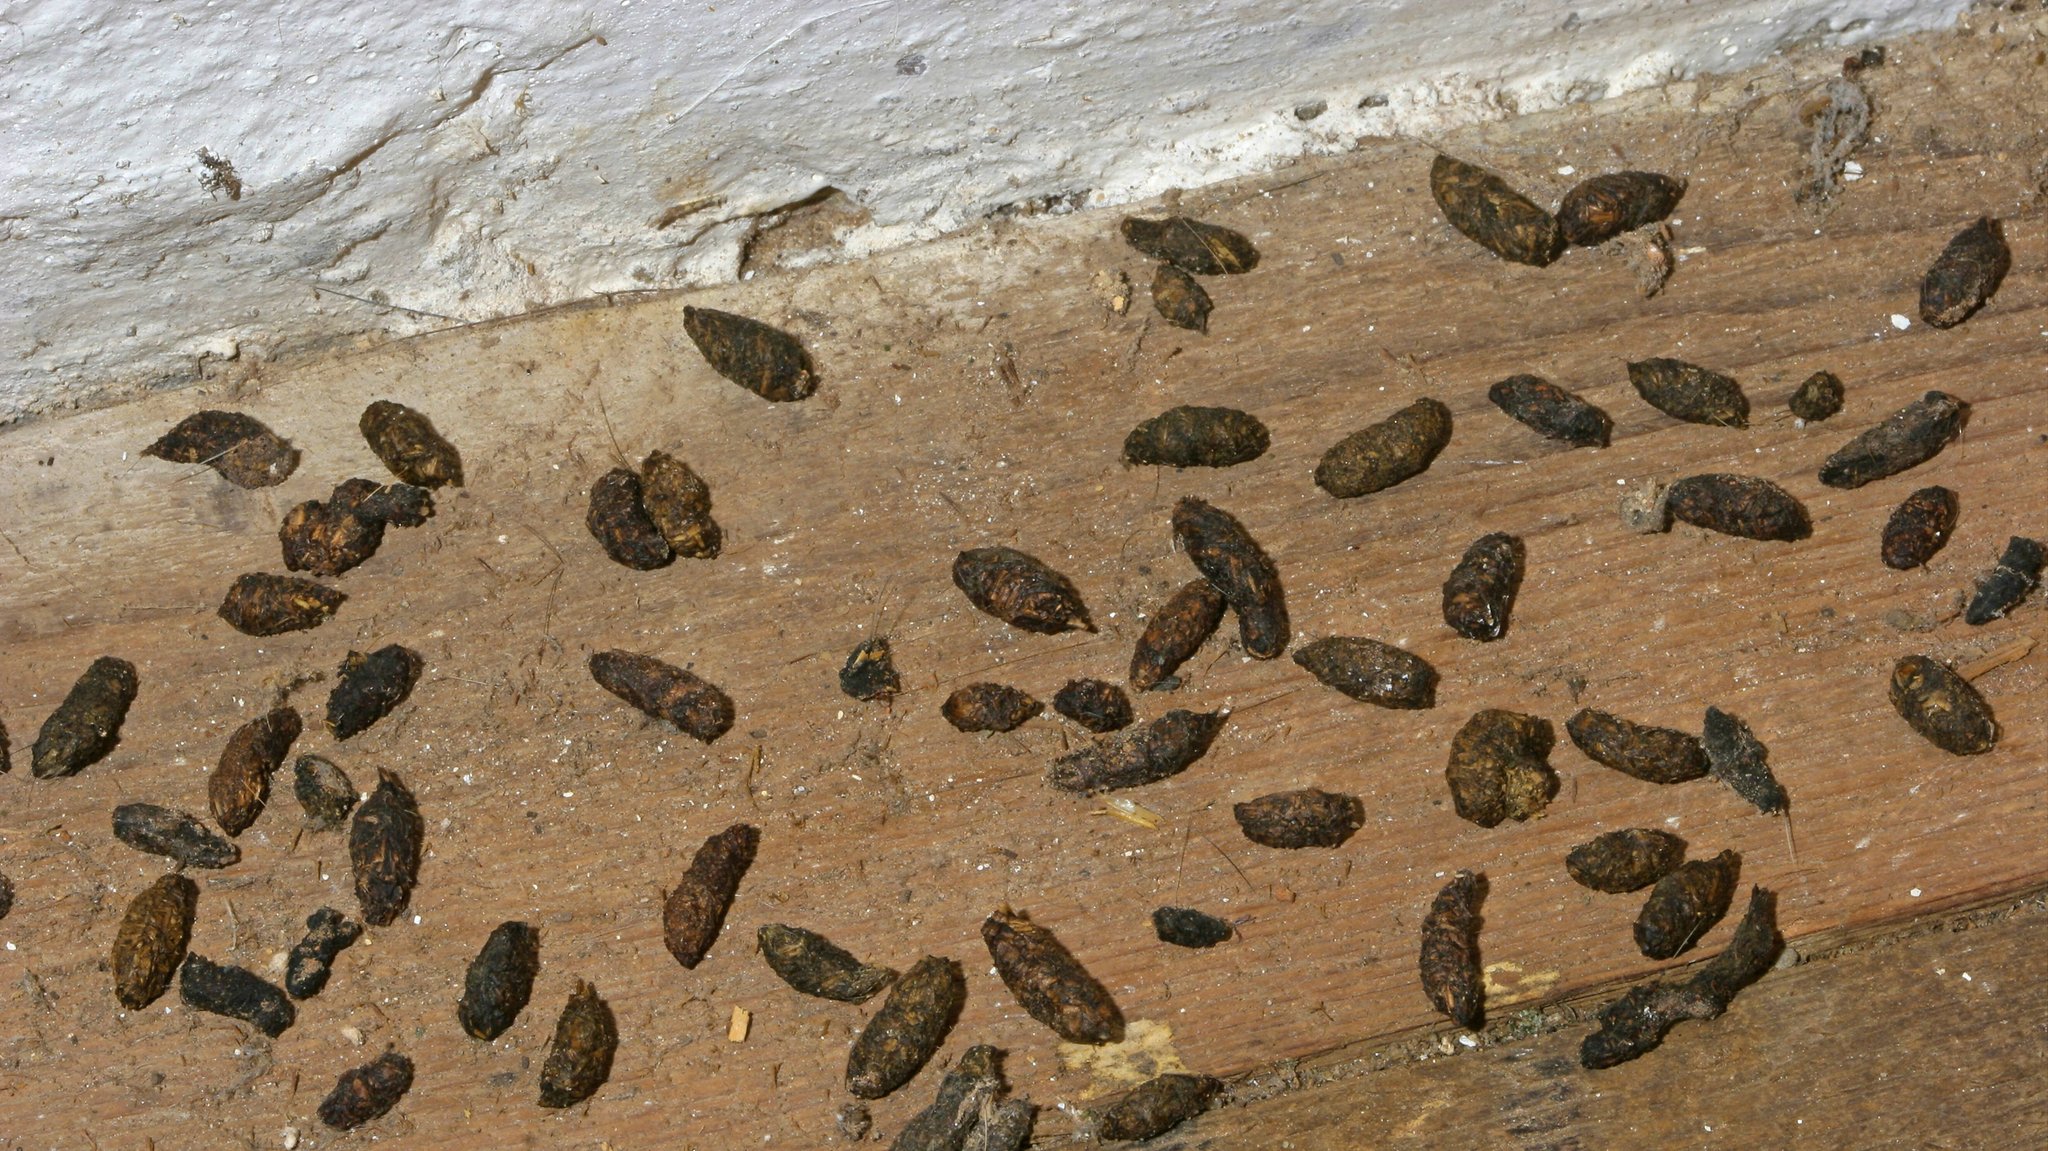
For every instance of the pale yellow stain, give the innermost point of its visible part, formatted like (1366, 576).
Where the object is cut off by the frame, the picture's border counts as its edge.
(1146, 1053)
(1429, 1107)
(1507, 983)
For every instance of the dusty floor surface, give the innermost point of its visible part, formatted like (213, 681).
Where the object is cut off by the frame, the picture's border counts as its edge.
(977, 392)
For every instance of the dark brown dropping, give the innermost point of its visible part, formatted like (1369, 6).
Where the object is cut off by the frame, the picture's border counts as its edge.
(1146, 754)
(173, 834)
(869, 673)
(1738, 759)
(1626, 860)
(1371, 672)
(1651, 754)
(1187, 927)
(384, 846)
(87, 725)
(1480, 593)
(952, 1116)
(1685, 904)
(6, 752)
(1309, 817)
(1750, 507)
(1689, 392)
(618, 520)
(989, 707)
(2006, 586)
(261, 604)
(766, 361)
(325, 792)
(1819, 397)
(580, 1058)
(1553, 412)
(1493, 215)
(1180, 300)
(240, 785)
(1157, 1106)
(328, 934)
(366, 1092)
(1236, 566)
(1602, 207)
(369, 687)
(1942, 706)
(1638, 1021)
(1500, 768)
(1966, 274)
(6, 896)
(679, 502)
(692, 914)
(665, 692)
(816, 966)
(907, 1030)
(1919, 527)
(1020, 590)
(1192, 437)
(1049, 983)
(1907, 438)
(1204, 249)
(330, 538)
(408, 444)
(239, 447)
(1096, 704)
(151, 942)
(1174, 633)
(1397, 448)
(499, 981)
(1451, 975)
(235, 992)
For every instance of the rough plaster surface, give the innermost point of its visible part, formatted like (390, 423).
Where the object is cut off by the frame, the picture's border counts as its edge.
(213, 179)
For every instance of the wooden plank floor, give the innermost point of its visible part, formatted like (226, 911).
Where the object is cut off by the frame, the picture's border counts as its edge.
(975, 392)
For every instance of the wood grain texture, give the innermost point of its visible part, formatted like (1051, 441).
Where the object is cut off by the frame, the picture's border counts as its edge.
(976, 393)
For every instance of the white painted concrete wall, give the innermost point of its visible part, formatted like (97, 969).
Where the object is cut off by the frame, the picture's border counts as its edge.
(478, 159)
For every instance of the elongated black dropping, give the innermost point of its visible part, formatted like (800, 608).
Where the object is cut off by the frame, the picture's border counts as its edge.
(325, 792)
(1942, 706)
(235, 992)
(87, 725)
(1370, 671)
(816, 966)
(908, 1030)
(989, 707)
(1157, 1106)
(366, 1092)
(1049, 982)
(384, 847)
(1098, 705)
(1021, 590)
(1180, 300)
(369, 687)
(1685, 904)
(1738, 759)
(1451, 975)
(1626, 860)
(1689, 392)
(1651, 754)
(328, 934)
(1192, 437)
(1638, 1021)
(1204, 249)
(1966, 274)
(2006, 586)
(1599, 208)
(1234, 563)
(500, 980)
(1481, 590)
(1553, 412)
(1307, 817)
(173, 834)
(1919, 527)
(665, 692)
(1398, 448)
(1750, 507)
(1145, 754)
(408, 444)
(1907, 438)
(766, 361)
(869, 673)
(693, 913)
(1819, 397)
(1500, 768)
(239, 447)
(1175, 633)
(1493, 215)
(580, 1059)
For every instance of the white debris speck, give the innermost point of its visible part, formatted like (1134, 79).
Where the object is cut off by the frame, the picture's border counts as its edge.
(1900, 322)
(1567, 170)
(1915, 893)
(1852, 171)
(291, 1138)
(353, 1035)
(1467, 1040)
